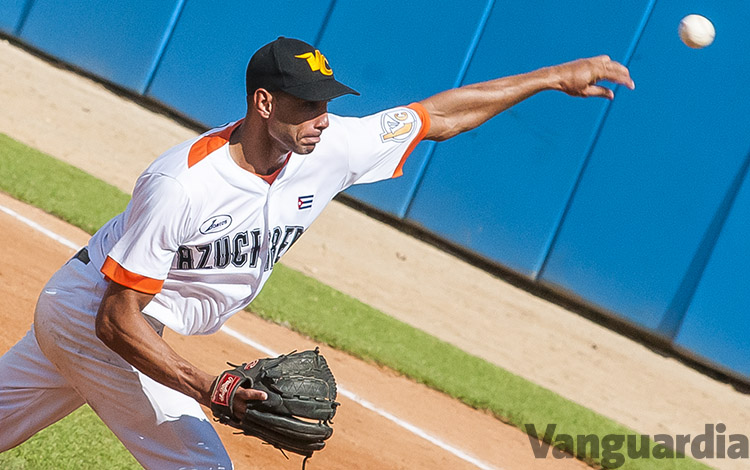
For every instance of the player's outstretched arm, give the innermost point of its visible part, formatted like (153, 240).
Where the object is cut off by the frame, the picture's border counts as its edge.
(463, 109)
(121, 326)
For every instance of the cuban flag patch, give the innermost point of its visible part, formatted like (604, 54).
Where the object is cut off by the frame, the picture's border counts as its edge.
(304, 202)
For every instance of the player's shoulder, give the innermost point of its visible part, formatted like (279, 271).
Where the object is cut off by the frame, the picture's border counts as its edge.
(181, 158)
(413, 112)
(396, 124)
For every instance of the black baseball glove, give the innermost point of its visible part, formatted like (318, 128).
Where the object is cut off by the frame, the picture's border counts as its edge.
(297, 414)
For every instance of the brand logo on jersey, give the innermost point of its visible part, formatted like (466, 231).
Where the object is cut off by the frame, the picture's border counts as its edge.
(397, 125)
(317, 62)
(304, 202)
(215, 224)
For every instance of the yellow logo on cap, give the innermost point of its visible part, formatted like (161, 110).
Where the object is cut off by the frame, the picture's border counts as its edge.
(317, 62)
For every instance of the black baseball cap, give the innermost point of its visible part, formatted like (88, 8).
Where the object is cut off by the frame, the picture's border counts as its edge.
(295, 67)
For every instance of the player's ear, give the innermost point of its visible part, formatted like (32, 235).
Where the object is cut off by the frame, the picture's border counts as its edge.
(262, 102)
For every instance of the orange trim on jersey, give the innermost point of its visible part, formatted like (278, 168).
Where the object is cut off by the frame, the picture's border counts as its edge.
(272, 177)
(122, 276)
(424, 116)
(210, 143)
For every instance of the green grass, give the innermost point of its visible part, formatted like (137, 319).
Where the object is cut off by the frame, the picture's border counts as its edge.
(58, 188)
(322, 313)
(314, 309)
(80, 441)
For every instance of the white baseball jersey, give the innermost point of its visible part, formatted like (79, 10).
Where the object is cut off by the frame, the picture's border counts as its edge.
(204, 234)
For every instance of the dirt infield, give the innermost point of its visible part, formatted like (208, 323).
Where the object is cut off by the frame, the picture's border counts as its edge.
(112, 138)
(362, 440)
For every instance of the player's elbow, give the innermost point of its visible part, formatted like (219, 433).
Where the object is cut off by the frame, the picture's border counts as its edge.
(106, 323)
(438, 136)
(118, 315)
(445, 129)
(104, 327)
(442, 128)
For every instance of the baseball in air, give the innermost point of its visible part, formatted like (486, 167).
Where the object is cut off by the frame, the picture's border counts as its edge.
(696, 31)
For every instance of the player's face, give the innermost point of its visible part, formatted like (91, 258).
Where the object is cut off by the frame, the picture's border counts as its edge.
(297, 124)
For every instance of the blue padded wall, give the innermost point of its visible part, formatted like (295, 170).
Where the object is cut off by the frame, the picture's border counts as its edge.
(499, 189)
(394, 56)
(118, 41)
(716, 326)
(635, 206)
(202, 72)
(12, 13)
(663, 163)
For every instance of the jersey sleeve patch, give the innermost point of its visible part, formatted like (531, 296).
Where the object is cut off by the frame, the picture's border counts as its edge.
(424, 116)
(116, 273)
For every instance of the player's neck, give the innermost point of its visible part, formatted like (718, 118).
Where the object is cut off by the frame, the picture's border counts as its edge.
(253, 150)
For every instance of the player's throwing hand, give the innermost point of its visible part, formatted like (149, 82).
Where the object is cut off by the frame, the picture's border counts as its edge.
(581, 77)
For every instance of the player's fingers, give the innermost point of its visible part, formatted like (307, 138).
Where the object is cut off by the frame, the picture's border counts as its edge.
(252, 394)
(241, 398)
(598, 91)
(618, 73)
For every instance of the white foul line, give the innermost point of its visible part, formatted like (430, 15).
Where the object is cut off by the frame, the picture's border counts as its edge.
(270, 352)
(372, 407)
(38, 227)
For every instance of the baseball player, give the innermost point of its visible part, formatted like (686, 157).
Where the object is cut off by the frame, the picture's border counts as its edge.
(207, 222)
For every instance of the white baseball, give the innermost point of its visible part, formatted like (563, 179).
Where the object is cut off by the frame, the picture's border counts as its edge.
(696, 31)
